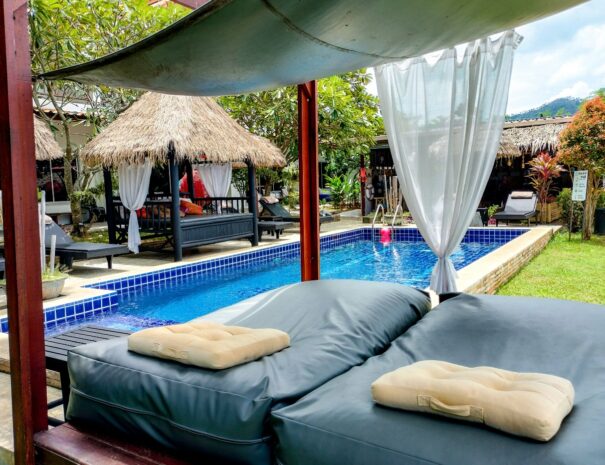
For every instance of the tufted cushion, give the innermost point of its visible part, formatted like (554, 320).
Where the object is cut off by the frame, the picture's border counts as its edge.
(524, 404)
(207, 344)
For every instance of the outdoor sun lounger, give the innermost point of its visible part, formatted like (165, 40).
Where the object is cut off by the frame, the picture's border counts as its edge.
(339, 423)
(277, 212)
(69, 250)
(519, 206)
(223, 416)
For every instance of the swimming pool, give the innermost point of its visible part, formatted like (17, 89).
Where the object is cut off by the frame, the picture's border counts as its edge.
(186, 291)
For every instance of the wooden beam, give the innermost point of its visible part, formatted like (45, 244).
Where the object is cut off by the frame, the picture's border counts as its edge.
(21, 237)
(252, 201)
(176, 205)
(110, 213)
(308, 149)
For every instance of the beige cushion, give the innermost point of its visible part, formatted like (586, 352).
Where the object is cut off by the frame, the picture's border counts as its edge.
(207, 344)
(525, 404)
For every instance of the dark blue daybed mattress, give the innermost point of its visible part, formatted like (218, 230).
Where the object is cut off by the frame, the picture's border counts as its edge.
(339, 424)
(223, 416)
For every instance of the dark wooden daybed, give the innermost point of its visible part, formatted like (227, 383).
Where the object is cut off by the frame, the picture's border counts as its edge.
(222, 218)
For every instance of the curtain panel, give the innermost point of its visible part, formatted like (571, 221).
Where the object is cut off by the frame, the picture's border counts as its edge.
(443, 118)
(134, 186)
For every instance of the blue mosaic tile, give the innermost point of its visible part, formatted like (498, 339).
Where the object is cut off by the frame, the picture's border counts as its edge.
(226, 265)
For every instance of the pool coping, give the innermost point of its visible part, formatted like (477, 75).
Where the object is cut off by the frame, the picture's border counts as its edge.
(488, 273)
(102, 297)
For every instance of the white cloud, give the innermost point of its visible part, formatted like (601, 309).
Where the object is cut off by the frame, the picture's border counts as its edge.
(559, 61)
(579, 89)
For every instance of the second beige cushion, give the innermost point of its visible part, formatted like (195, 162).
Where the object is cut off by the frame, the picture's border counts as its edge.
(525, 404)
(207, 344)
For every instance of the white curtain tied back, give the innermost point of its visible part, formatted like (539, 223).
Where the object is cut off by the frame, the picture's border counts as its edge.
(134, 185)
(444, 120)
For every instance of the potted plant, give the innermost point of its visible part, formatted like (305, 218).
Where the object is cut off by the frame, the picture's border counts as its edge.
(52, 284)
(491, 211)
(543, 170)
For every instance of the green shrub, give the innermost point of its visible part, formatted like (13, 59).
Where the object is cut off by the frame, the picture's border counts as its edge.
(564, 200)
(601, 199)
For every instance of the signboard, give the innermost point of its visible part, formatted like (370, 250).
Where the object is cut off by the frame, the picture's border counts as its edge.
(580, 180)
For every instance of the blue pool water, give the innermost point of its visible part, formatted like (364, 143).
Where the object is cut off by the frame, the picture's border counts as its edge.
(408, 263)
(188, 290)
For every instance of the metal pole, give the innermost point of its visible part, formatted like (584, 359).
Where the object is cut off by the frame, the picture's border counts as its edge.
(308, 149)
(20, 206)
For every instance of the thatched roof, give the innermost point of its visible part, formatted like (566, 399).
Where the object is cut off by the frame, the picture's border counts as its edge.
(47, 147)
(197, 127)
(531, 136)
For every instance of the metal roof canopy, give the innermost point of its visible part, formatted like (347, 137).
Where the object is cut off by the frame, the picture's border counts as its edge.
(239, 46)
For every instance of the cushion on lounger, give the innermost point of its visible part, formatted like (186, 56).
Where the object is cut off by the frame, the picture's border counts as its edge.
(525, 404)
(207, 344)
(222, 416)
(340, 423)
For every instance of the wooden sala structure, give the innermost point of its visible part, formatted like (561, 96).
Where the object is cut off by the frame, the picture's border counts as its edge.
(284, 45)
(174, 132)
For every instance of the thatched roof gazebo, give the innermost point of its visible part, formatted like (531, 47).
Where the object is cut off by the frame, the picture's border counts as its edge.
(530, 137)
(196, 128)
(46, 146)
(182, 133)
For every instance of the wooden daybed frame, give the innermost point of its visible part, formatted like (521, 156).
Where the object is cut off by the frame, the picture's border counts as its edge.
(223, 218)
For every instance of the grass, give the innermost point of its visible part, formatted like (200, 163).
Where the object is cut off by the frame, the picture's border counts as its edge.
(572, 270)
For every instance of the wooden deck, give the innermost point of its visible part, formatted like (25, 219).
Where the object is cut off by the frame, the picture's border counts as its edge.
(77, 445)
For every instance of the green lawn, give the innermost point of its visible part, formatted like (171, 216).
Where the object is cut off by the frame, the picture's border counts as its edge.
(573, 270)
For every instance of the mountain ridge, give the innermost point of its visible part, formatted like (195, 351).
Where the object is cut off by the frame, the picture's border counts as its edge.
(564, 106)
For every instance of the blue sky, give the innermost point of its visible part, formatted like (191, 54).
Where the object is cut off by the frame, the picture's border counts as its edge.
(563, 55)
(560, 56)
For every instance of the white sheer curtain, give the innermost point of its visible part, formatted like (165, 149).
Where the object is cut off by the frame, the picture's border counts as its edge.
(216, 178)
(134, 185)
(443, 120)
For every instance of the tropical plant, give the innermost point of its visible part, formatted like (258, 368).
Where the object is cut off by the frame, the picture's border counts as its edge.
(349, 119)
(344, 189)
(583, 146)
(492, 210)
(564, 202)
(542, 172)
(67, 32)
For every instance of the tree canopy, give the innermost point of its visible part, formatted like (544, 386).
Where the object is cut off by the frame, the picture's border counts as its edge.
(349, 118)
(583, 146)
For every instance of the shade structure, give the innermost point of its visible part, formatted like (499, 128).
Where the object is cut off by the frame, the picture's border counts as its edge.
(197, 128)
(47, 147)
(239, 46)
(531, 136)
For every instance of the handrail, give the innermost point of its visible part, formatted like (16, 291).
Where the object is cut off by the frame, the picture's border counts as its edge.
(380, 207)
(395, 215)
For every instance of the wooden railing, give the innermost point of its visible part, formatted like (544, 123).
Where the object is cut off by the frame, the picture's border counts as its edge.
(155, 218)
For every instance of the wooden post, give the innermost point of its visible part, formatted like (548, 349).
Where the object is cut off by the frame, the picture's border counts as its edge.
(110, 213)
(362, 184)
(175, 217)
(21, 236)
(190, 187)
(252, 201)
(308, 149)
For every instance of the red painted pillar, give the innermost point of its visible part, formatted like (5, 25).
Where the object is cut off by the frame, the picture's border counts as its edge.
(308, 148)
(21, 237)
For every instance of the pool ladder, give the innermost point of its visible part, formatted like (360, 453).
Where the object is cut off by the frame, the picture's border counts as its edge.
(378, 210)
(381, 208)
